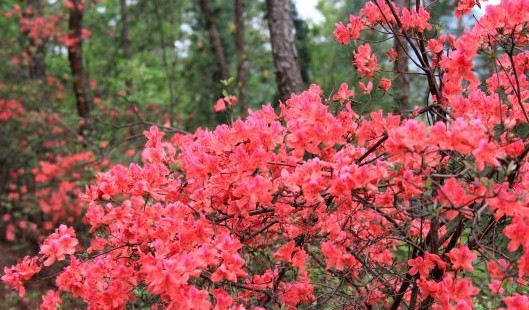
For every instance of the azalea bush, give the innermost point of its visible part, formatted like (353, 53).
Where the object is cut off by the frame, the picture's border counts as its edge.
(43, 161)
(316, 206)
(46, 161)
(46, 177)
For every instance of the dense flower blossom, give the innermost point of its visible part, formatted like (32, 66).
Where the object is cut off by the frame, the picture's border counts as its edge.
(462, 258)
(365, 61)
(345, 33)
(50, 301)
(271, 210)
(15, 276)
(355, 26)
(421, 266)
(378, 12)
(59, 244)
(517, 302)
(10, 109)
(415, 19)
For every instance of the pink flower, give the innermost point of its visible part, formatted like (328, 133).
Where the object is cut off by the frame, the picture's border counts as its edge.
(462, 258)
(231, 100)
(154, 136)
(385, 84)
(59, 244)
(365, 61)
(487, 152)
(341, 33)
(415, 19)
(435, 46)
(14, 276)
(517, 301)
(50, 300)
(220, 105)
(343, 93)
(421, 266)
(392, 54)
(345, 33)
(464, 7)
(366, 88)
(355, 26)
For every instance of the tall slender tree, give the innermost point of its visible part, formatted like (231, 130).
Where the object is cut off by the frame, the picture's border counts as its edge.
(284, 52)
(241, 56)
(401, 83)
(75, 57)
(125, 38)
(166, 62)
(214, 36)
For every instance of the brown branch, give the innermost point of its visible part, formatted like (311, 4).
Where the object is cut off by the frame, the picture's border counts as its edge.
(372, 149)
(75, 57)
(241, 56)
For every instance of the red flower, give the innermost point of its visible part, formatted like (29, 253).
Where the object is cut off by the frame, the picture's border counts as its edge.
(421, 266)
(343, 93)
(341, 33)
(366, 88)
(220, 105)
(462, 258)
(50, 300)
(487, 152)
(154, 136)
(385, 84)
(365, 61)
(15, 276)
(59, 244)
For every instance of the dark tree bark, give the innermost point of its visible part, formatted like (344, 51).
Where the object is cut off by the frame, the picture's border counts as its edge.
(239, 44)
(35, 50)
(302, 38)
(214, 36)
(127, 53)
(401, 85)
(125, 37)
(166, 62)
(75, 57)
(284, 52)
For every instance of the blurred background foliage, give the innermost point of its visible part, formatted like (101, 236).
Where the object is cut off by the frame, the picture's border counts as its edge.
(169, 64)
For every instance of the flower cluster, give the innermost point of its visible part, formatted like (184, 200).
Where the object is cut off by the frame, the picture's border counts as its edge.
(316, 204)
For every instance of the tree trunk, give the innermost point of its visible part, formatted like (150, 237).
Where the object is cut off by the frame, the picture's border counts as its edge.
(75, 57)
(214, 36)
(35, 50)
(166, 62)
(401, 85)
(239, 44)
(302, 43)
(125, 37)
(284, 52)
